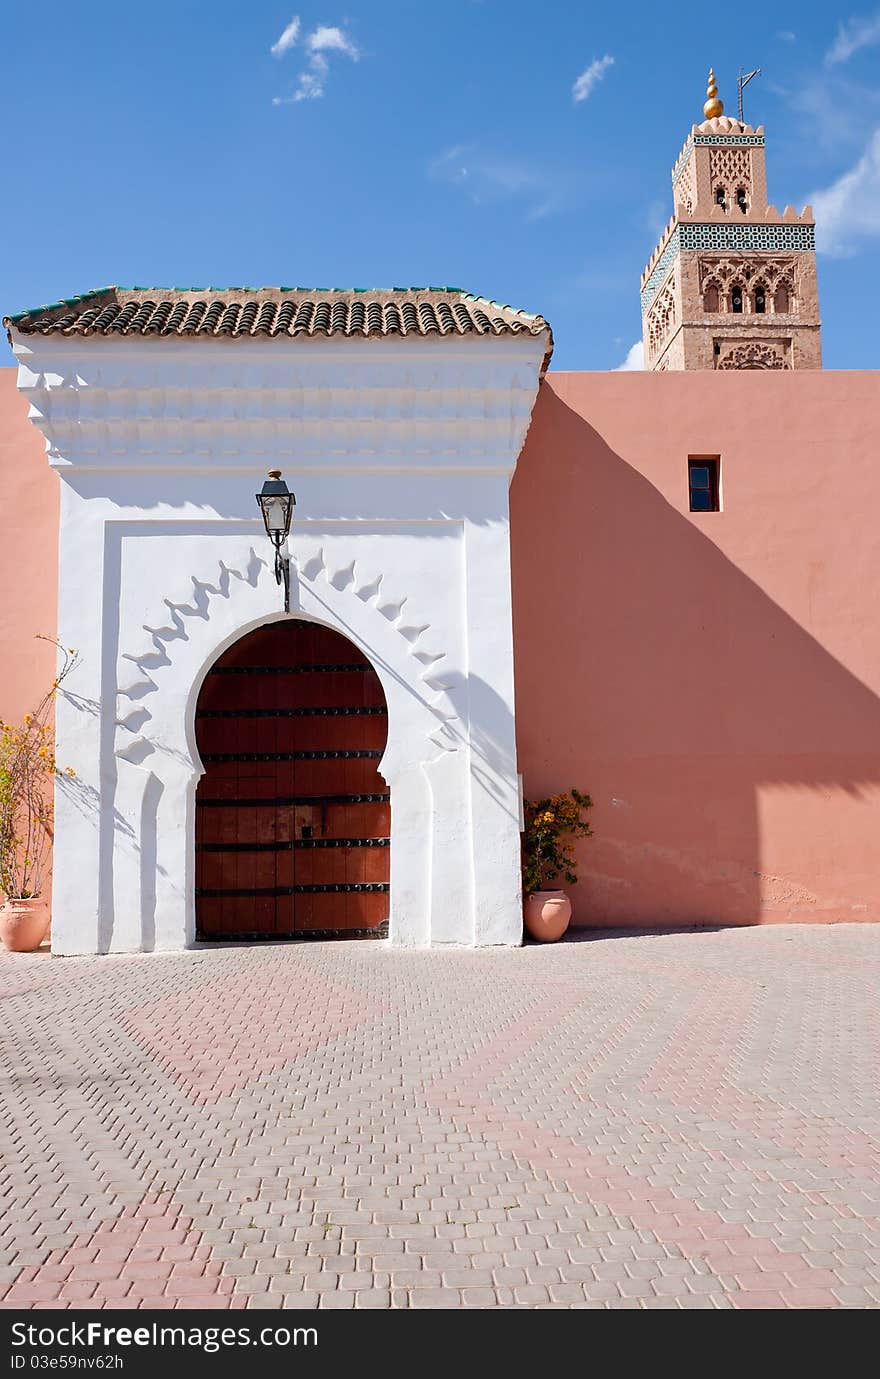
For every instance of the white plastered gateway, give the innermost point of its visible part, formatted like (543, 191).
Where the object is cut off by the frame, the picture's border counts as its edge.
(400, 451)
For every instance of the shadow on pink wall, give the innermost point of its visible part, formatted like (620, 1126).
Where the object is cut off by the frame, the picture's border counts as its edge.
(734, 762)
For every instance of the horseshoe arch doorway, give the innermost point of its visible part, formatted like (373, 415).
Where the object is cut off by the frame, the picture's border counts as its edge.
(293, 819)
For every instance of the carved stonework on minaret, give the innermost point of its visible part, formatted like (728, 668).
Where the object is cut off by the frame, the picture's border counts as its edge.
(732, 283)
(730, 172)
(760, 354)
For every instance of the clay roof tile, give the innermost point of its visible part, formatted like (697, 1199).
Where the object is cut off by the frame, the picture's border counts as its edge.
(269, 312)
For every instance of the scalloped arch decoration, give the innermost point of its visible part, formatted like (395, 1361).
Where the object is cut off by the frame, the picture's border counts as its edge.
(139, 671)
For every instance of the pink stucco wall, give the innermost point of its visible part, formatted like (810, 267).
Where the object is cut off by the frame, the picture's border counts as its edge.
(712, 679)
(28, 556)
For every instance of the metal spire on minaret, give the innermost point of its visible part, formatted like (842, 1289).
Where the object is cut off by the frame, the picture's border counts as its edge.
(744, 79)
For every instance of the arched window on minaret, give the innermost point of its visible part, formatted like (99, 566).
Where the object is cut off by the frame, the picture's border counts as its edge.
(721, 197)
(782, 300)
(711, 297)
(760, 299)
(742, 199)
(736, 300)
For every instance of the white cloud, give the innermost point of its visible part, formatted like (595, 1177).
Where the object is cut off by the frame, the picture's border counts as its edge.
(451, 166)
(310, 85)
(853, 35)
(634, 361)
(287, 39)
(787, 36)
(590, 78)
(849, 210)
(542, 209)
(330, 39)
(656, 216)
(484, 173)
(312, 80)
(487, 177)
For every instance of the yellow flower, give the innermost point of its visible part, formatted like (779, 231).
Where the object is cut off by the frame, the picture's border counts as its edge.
(70, 771)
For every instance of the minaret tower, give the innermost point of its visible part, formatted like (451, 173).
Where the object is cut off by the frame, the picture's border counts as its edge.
(732, 283)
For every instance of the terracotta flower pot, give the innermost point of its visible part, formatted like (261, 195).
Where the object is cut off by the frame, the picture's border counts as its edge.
(547, 915)
(23, 924)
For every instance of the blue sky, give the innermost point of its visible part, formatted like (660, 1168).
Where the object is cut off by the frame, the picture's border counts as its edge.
(520, 151)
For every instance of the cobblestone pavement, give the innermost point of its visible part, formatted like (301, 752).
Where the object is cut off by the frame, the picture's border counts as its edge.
(680, 1120)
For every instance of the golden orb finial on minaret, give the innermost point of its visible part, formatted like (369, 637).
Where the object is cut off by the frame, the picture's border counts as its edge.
(714, 105)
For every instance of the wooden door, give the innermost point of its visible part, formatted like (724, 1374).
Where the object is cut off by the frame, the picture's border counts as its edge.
(293, 819)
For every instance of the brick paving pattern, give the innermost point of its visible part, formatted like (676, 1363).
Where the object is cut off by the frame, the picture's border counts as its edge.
(684, 1120)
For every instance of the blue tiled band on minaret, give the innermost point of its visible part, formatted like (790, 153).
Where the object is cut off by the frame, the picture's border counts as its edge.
(661, 268)
(772, 239)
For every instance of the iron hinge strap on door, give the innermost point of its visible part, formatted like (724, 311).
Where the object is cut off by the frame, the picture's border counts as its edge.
(343, 754)
(295, 843)
(274, 801)
(356, 666)
(338, 886)
(366, 711)
(375, 931)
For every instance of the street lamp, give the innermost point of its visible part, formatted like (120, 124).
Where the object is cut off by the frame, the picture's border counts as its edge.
(276, 504)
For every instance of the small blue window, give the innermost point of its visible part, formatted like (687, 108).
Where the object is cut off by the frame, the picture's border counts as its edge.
(703, 484)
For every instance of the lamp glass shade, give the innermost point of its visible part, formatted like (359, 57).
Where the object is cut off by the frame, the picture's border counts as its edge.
(276, 514)
(276, 504)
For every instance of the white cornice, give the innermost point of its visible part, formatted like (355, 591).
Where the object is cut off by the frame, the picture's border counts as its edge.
(412, 404)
